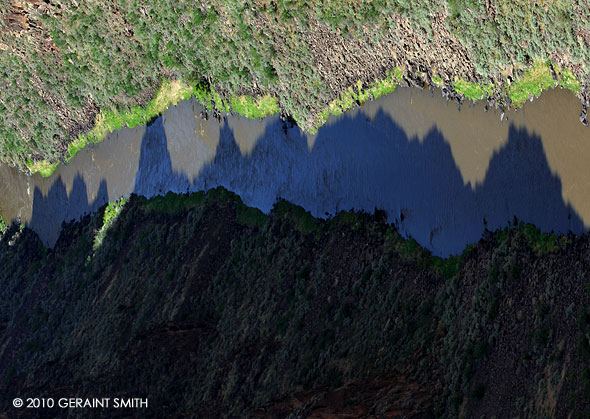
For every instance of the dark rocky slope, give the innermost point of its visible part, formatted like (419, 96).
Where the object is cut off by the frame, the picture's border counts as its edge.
(213, 309)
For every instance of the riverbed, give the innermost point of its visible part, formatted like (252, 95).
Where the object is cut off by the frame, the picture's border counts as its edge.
(442, 172)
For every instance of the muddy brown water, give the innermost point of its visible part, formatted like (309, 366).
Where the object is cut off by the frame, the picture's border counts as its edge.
(442, 172)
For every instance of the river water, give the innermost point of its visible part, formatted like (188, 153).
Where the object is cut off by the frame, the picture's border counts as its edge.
(442, 172)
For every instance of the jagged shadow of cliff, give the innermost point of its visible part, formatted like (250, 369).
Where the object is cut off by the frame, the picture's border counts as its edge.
(362, 164)
(49, 211)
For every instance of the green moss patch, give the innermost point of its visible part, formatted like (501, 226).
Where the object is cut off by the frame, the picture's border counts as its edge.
(567, 80)
(254, 108)
(473, 91)
(354, 96)
(533, 82)
(3, 226)
(43, 167)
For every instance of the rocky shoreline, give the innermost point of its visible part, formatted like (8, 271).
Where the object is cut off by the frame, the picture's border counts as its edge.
(497, 101)
(412, 79)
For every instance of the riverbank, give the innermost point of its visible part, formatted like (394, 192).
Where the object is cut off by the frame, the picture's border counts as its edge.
(438, 169)
(57, 78)
(540, 77)
(340, 316)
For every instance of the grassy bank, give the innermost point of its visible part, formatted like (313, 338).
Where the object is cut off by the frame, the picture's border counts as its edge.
(472, 90)
(172, 92)
(534, 81)
(111, 212)
(358, 95)
(532, 84)
(62, 66)
(169, 93)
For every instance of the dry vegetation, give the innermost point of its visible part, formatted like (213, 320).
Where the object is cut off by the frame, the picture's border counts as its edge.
(63, 62)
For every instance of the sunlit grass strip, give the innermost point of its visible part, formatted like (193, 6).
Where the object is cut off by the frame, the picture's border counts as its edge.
(111, 213)
(437, 80)
(254, 108)
(567, 80)
(248, 106)
(473, 91)
(210, 99)
(351, 97)
(3, 226)
(533, 82)
(43, 167)
(170, 93)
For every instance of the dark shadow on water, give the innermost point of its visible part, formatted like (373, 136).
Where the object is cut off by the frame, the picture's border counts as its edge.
(155, 174)
(49, 212)
(360, 164)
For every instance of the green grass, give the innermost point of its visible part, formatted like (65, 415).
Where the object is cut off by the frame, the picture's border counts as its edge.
(567, 80)
(170, 93)
(353, 96)
(111, 212)
(533, 82)
(254, 108)
(244, 105)
(211, 99)
(386, 85)
(43, 167)
(3, 226)
(110, 57)
(473, 91)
